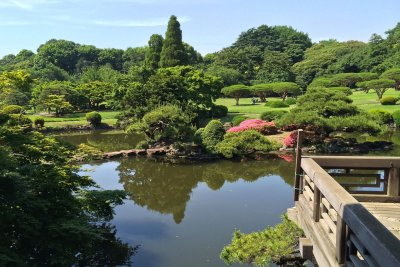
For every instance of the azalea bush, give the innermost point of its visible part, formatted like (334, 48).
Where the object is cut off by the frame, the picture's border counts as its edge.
(258, 125)
(291, 140)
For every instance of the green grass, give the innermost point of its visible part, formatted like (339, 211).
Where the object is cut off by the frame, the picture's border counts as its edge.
(75, 119)
(370, 101)
(246, 107)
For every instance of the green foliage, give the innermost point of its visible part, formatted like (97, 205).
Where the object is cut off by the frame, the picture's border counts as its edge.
(291, 101)
(165, 124)
(212, 134)
(238, 119)
(358, 123)
(389, 100)
(173, 52)
(19, 120)
(3, 117)
(396, 118)
(236, 91)
(13, 109)
(154, 51)
(218, 111)
(272, 115)
(262, 90)
(228, 75)
(38, 122)
(285, 89)
(277, 67)
(61, 222)
(276, 104)
(87, 152)
(239, 144)
(94, 118)
(265, 247)
(380, 86)
(15, 87)
(383, 116)
(392, 74)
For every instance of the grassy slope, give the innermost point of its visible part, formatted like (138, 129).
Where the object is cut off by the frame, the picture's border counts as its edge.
(370, 101)
(75, 119)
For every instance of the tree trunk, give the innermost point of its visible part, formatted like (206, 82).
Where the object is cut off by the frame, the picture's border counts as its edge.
(237, 101)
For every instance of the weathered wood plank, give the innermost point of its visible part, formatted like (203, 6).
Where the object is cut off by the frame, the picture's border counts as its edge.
(297, 176)
(359, 162)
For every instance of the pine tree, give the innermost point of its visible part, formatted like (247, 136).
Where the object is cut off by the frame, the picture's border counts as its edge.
(173, 51)
(152, 59)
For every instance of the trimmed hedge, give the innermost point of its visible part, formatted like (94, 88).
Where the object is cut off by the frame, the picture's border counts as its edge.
(383, 116)
(212, 134)
(389, 100)
(19, 120)
(38, 122)
(94, 118)
(218, 111)
(277, 104)
(12, 109)
(272, 115)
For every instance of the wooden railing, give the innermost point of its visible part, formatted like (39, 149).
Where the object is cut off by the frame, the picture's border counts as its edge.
(342, 230)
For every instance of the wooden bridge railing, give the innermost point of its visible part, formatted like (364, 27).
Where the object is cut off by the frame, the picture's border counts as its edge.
(336, 222)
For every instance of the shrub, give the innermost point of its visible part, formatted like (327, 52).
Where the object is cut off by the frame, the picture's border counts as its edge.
(238, 119)
(212, 134)
(276, 104)
(389, 100)
(142, 145)
(197, 136)
(38, 122)
(238, 144)
(165, 124)
(4, 117)
(290, 101)
(261, 126)
(94, 118)
(12, 109)
(19, 120)
(383, 116)
(87, 152)
(302, 120)
(290, 140)
(272, 115)
(396, 118)
(218, 111)
(357, 123)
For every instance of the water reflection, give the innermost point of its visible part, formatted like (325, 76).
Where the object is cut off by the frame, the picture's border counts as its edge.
(166, 188)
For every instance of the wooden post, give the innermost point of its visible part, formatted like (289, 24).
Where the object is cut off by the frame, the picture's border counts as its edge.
(317, 204)
(393, 182)
(297, 177)
(340, 240)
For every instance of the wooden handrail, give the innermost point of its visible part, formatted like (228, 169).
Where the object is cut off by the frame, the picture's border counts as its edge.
(379, 242)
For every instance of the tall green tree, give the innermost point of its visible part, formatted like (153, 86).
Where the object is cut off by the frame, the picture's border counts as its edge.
(153, 54)
(173, 51)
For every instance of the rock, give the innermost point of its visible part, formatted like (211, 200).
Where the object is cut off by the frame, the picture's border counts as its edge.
(115, 154)
(156, 151)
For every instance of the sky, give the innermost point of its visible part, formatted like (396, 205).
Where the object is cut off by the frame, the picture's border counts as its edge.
(208, 25)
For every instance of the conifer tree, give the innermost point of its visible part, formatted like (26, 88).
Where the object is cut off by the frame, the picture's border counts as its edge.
(173, 51)
(152, 59)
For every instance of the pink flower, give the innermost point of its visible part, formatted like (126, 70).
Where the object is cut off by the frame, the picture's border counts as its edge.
(255, 124)
(291, 139)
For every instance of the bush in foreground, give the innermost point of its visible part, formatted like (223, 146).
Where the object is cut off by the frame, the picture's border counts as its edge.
(239, 144)
(12, 109)
(270, 245)
(94, 118)
(212, 134)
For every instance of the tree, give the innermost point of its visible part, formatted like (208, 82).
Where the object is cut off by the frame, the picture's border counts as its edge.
(228, 75)
(173, 51)
(153, 53)
(15, 87)
(95, 92)
(193, 57)
(236, 91)
(393, 74)
(262, 90)
(112, 57)
(276, 68)
(134, 57)
(380, 86)
(285, 89)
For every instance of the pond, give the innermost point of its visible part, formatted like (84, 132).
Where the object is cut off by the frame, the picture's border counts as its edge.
(183, 214)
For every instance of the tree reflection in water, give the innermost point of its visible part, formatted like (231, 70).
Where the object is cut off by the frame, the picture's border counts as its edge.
(166, 187)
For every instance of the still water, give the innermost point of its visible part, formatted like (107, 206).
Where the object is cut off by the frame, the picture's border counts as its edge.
(183, 214)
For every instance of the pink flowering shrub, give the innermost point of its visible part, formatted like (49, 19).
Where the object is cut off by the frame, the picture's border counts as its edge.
(291, 139)
(261, 126)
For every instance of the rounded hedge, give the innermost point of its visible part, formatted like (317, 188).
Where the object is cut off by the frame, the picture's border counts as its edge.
(238, 119)
(389, 100)
(272, 115)
(212, 134)
(276, 104)
(94, 118)
(218, 111)
(12, 109)
(38, 122)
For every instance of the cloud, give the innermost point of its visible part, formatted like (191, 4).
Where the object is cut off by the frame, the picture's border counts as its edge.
(137, 23)
(13, 23)
(25, 4)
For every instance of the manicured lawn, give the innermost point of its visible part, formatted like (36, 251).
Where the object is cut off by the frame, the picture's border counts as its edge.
(75, 119)
(370, 101)
(246, 107)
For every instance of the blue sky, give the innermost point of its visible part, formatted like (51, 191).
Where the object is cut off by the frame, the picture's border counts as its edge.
(208, 25)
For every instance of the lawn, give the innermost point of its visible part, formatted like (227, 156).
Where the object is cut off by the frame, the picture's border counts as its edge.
(370, 101)
(246, 107)
(75, 119)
